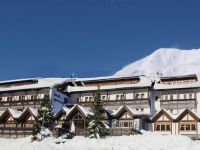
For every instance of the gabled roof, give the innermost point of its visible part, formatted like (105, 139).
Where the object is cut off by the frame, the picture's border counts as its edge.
(64, 110)
(11, 112)
(188, 111)
(28, 111)
(121, 110)
(83, 110)
(132, 111)
(160, 113)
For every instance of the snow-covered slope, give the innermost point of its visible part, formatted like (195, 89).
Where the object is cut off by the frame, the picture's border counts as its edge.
(147, 141)
(165, 61)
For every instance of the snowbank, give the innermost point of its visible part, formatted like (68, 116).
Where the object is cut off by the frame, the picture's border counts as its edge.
(147, 141)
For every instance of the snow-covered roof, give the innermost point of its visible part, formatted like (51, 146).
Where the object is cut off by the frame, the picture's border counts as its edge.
(194, 76)
(15, 113)
(105, 78)
(42, 83)
(133, 111)
(84, 110)
(161, 86)
(66, 110)
(175, 116)
(144, 82)
(33, 110)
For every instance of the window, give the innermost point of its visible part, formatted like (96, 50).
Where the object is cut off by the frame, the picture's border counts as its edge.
(90, 99)
(125, 123)
(158, 127)
(142, 96)
(121, 97)
(180, 82)
(78, 99)
(193, 127)
(33, 96)
(142, 109)
(156, 98)
(103, 97)
(190, 96)
(117, 97)
(137, 96)
(86, 99)
(171, 97)
(166, 97)
(21, 97)
(187, 126)
(168, 127)
(163, 126)
(182, 127)
(185, 96)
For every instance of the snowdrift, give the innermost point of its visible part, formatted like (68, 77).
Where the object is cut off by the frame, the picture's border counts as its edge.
(147, 141)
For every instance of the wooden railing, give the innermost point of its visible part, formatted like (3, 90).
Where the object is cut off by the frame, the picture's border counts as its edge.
(20, 102)
(178, 103)
(132, 102)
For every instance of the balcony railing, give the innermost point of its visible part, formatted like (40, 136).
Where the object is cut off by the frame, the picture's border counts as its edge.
(20, 102)
(178, 104)
(132, 102)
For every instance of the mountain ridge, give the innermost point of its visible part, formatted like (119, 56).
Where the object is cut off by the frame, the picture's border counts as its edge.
(165, 61)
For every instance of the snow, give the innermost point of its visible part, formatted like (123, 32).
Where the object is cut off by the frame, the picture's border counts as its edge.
(144, 82)
(159, 86)
(15, 113)
(166, 61)
(42, 83)
(85, 110)
(33, 110)
(147, 141)
(133, 111)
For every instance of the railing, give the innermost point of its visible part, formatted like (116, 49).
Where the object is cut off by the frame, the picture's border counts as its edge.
(20, 102)
(178, 104)
(16, 129)
(132, 102)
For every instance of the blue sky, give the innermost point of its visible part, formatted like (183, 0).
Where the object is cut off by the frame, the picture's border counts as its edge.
(90, 37)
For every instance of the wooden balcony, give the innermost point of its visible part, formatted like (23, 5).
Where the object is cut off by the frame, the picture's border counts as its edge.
(137, 103)
(178, 104)
(20, 102)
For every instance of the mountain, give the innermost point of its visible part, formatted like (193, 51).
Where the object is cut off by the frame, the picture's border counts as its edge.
(165, 61)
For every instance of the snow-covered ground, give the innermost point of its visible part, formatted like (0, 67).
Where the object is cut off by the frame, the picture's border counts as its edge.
(166, 61)
(147, 141)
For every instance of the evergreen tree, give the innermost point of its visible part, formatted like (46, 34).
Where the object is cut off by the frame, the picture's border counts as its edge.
(96, 128)
(44, 117)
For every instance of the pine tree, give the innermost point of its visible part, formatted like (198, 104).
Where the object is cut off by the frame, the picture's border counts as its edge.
(96, 128)
(44, 117)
